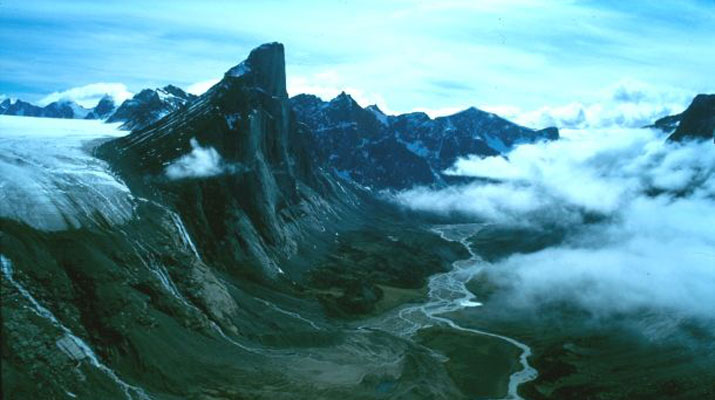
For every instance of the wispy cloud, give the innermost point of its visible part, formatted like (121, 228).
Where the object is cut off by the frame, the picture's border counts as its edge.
(89, 95)
(627, 103)
(201, 162)
(517, 53)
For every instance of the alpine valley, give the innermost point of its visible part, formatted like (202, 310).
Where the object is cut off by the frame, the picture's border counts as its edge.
(244, 244)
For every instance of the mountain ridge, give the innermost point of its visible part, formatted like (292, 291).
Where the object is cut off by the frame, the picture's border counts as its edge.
(149, 106)
(401, 151)
(64, 108)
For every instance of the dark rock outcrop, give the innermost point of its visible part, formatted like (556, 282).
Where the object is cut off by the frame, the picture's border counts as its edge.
(4, 105)
(667, 124)
(103, 109)
(697, 121)
(397, 152)
(149, 106)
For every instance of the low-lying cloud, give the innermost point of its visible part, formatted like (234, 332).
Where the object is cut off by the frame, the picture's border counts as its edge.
(627, 104)
(89, 95)
(652, 247)
(201, 162)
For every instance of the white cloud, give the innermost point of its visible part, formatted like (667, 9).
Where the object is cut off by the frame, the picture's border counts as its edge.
(201, 162)
(200, 88)
(653, 249)
(626, 104)
(89, 95)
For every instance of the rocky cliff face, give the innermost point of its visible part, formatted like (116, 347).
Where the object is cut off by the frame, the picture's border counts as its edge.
(257, 166)
(397, 152)
(149, 106)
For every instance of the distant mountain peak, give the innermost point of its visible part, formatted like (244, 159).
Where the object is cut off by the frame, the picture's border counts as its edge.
(472, 112)
(149, 106)
(104, 108)
(176, 91)
(343, 96)
(375, 108)
(345, 100)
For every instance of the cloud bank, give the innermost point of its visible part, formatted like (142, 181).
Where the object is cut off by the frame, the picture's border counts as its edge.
(89, 95)
(200, 163)
(627, 104)
(652, 248)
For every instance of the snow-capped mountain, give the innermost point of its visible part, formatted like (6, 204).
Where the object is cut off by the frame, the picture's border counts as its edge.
(149, 106)
(66, 109)
(384, 151)
(104, 108)
(20, 108)
(4, 105)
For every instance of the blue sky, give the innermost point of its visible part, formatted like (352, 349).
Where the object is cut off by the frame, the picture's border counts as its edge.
(511, 56)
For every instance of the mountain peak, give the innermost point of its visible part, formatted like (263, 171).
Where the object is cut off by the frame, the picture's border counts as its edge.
(344, 98)
(471, 111)
(375, 108)
(176, 91)
(698, 120)
(264, 68)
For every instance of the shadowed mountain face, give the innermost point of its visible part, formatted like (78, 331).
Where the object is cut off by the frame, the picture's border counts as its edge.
(397, 152)
(104, 108)
(149, 106)
(697, 121)
(258, 191)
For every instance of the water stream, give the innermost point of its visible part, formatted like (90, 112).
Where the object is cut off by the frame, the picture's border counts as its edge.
(448, 293)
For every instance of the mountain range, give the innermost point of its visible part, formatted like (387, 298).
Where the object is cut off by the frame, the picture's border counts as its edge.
(149, 106)
(365, 145)
(401, 151)
(58, 109)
